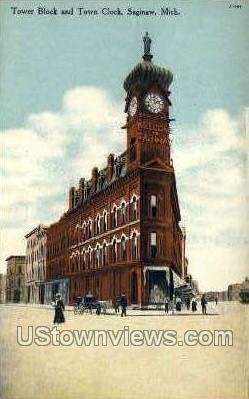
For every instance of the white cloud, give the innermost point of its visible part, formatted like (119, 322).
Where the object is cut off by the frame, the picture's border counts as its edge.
(211, 175)
(42, 159)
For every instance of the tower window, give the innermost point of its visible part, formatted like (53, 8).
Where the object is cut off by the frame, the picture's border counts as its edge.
(153, 206)
(133, 154)
(153, 244)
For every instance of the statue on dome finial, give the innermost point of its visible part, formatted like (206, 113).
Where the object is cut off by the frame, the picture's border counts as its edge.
(147, 44)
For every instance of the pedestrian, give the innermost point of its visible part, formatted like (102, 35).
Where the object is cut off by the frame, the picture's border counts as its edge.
(178, 304)
(123, 303)
(116, 304)
(194, 305)
(188, 303)
(203, 304)
(216, 301)
(166, 305)
(59, 308)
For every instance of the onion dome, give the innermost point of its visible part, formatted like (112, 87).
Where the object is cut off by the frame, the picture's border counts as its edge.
(146, 72)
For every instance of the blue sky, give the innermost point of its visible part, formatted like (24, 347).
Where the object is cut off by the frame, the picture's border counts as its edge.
(61, 93)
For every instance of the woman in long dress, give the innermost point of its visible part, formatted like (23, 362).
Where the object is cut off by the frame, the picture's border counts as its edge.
(59, 308)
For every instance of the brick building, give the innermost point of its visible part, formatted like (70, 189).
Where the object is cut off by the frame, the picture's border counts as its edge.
(35, 264)
(121, 232)
(15, 279)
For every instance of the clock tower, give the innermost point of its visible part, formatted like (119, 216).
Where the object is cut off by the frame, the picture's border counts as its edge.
(147, 108)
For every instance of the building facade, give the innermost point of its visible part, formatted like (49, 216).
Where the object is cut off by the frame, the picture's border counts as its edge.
(235, 289)
(121, 232)
(2, 288)
(15, 279)
(35, 264)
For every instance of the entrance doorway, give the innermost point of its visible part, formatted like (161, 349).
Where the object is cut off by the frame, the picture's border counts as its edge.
(134, 290)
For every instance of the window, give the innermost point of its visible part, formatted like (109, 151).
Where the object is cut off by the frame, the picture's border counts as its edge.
(153, 244)
(115, 217)
(89, 229)
(133, 154)
(89, 258)
(104, 254)
(98, 225)
(105, 222)
(123, 213)
(134, 246)
(97, 256)
(134, 209)
(153, 206)
(84, 260)
(114, 251)
(123, 248)
(84, 231)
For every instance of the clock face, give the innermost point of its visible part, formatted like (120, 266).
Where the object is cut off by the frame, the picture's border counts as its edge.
(133, 106)
(154, 103)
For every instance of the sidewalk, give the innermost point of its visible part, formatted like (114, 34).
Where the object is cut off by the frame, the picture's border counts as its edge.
(211, 310)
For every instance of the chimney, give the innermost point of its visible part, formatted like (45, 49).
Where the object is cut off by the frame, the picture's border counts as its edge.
(71, 197)
(110, 167)
(81, 189)
(94, 179)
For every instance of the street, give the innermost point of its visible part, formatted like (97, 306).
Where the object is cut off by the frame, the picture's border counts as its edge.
(122, 372)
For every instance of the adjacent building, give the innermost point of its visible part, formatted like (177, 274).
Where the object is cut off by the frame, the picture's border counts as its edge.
(2, 288)
(235, 289)
(121, 231)
(15, 279)
(35, 264)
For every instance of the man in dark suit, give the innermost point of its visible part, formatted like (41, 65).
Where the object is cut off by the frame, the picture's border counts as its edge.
(123, 303)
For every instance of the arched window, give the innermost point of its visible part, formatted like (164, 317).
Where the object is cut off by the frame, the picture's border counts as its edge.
(114, 251)
(97, 256)
(153, 244)
(123, 248)
(123, 213)
(105, 222)
(115, 217)
(98, 225)
(134, 208)
(84, 260)
(134, 246)
(104, 254)
(89, 229)
(153, 206)
(89, 258)
(84, 232)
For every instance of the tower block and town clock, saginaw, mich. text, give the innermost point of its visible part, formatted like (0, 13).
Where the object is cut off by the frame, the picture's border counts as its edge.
(121, 232)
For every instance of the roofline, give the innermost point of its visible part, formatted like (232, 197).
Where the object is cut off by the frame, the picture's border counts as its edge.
(15, 256)
(36, 229)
